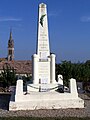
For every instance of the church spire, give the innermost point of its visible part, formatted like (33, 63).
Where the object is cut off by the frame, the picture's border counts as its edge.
(10, 47)
(10, 34)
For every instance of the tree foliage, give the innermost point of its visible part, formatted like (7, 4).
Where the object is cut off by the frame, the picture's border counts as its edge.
(78, 71)
(8, 76)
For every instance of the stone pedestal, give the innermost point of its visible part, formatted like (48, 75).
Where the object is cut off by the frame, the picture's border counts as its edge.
(50, 99)
(47, 100)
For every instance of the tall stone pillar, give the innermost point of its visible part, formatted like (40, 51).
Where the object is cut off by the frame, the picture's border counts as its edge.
(43, 62)
(35, 69)
(52, 68)
(43, 49)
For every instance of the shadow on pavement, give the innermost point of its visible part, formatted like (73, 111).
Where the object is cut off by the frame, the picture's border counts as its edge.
(4, 101)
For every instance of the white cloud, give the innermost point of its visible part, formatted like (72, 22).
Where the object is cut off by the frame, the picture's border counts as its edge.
(54, 13)
(85, 19)
(3, 19)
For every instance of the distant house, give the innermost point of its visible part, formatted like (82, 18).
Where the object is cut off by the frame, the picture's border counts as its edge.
(3, 59)
(22, 68)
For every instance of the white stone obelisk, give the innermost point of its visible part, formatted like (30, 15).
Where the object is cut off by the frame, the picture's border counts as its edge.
(43, 62)
(43, 49)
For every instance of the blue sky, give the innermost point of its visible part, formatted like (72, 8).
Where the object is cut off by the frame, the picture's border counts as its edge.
(69, 28)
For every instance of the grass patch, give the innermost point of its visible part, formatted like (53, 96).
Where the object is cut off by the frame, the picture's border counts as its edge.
(37, 118)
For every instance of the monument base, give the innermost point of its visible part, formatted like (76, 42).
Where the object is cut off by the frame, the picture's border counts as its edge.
(46, 100)
(43, 87)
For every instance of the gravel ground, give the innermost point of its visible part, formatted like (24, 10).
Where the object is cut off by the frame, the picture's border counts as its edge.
(85, 112)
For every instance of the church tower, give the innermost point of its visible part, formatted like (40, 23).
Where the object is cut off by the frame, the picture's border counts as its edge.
(10, 47)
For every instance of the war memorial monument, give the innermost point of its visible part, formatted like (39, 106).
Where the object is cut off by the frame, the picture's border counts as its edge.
(43, 92)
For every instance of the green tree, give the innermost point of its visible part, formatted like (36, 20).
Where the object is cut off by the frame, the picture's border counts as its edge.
(79, 71)
(8, 76)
